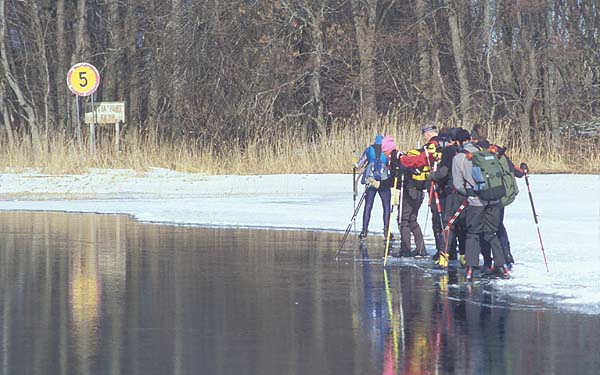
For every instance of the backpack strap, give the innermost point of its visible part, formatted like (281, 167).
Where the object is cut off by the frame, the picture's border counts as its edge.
(377, 149)
(468, 154)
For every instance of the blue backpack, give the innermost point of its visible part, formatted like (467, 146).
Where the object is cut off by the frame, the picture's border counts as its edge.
(377, 167)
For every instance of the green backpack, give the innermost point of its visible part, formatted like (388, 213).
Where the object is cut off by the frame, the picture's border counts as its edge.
(488, 175)
(510, 183)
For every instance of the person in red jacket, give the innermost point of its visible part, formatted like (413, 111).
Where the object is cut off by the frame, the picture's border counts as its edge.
(412, 197)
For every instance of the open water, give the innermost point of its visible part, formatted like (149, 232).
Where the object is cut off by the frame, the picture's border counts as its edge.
(98, 294)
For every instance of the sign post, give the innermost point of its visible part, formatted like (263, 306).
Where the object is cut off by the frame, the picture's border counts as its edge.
(83, 79)
(107, 113)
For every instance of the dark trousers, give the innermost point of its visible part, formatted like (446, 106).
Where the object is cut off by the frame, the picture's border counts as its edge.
(412, 199)
(502, 235)
(385, 195)
(436, 222)
(482, 224)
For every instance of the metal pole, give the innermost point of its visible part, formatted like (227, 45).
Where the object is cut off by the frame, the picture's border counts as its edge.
(79, 142)
(93, 130)
(399, 213)
(360, 202)
(389, 228)
(117, 135)
(535, 218)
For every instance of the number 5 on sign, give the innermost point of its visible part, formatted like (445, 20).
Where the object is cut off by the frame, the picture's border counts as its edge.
(83, 79)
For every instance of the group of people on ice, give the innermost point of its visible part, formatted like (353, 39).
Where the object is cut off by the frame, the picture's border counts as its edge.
(468, 182)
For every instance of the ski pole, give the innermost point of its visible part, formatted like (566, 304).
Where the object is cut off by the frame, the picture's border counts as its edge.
(354, 188)
(399, 215)
(389, 227)
(438, 206)
(360, 202)
(535, 216)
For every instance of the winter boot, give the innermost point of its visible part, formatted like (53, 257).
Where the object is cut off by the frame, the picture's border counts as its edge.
(363, 234)
(469, 274)
(504, 273)
(442, 261)
(392, 238)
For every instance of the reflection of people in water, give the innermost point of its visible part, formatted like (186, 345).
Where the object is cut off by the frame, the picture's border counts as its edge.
(378, 313)
(415, 329)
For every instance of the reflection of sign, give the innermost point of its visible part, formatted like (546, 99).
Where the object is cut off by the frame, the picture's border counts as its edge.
(106, 113)
(83, 79)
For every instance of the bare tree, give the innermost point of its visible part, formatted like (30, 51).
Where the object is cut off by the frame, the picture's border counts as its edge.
(24, 102)
(454, 9)
(551, 77)
(364, 14)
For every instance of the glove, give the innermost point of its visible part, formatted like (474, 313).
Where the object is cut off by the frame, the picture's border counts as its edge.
(395, 164)
(431, 148)
(371, 182)
(524, 168)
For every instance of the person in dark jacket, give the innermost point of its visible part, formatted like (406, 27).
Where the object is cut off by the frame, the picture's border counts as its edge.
(449, 198)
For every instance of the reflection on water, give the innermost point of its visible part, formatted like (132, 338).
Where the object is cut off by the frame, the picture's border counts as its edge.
(89, 294)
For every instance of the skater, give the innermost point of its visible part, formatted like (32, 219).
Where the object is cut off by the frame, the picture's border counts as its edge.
(432, 138)
(415, 166)
(482, 215)
(375, 178)
(512, 191)
(449, 200)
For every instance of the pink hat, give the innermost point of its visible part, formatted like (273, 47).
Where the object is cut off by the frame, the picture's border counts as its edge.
(388, 144)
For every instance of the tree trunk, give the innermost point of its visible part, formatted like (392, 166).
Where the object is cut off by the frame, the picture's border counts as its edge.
(114, 60)
(41, 44)
(425, 79)
(317, 57)
(62, 68)
(364, 15)
(175, 26)
(5, 114)
(24, 102)
(459, 59)
(133, 66)
(550, 78)
(76, 57)
(530, 78)
(487, 54)
(80, 34)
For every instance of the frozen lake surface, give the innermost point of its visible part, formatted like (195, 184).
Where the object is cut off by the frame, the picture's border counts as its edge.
(100, 294)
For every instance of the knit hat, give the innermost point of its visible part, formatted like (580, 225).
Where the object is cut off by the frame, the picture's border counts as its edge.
(378, 139)
(444, 137)
(388, 144)
(428, 126)
(462, 135)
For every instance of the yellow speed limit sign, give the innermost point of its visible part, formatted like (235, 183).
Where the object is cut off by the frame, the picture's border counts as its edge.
(83, 79)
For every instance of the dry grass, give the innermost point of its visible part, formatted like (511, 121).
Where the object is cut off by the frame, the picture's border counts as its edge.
(289, 153)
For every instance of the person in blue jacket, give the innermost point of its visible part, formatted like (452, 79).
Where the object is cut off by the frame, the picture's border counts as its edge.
(375, 178)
